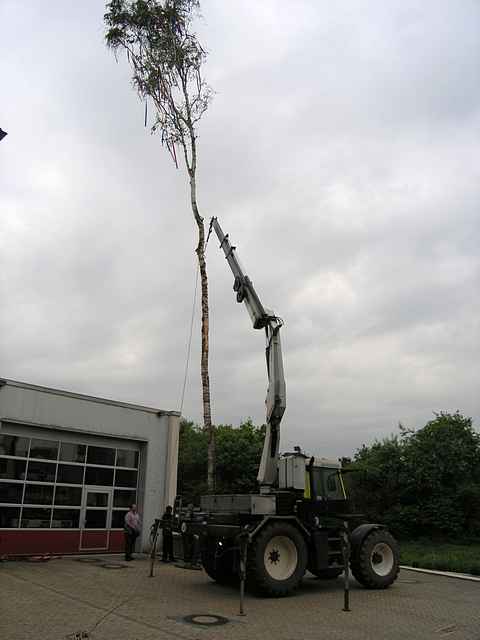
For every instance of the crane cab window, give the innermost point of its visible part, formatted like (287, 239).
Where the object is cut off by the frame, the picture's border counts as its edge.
(334, 485)
(326, 484)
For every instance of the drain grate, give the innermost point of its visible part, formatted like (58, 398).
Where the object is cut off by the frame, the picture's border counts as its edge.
(206, 620)
(88, 560)
(450, 628)
(101, 562)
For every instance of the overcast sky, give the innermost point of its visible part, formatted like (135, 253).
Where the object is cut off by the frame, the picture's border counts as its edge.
(341, 154)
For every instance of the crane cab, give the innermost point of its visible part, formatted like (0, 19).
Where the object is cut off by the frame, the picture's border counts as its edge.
(318, 479)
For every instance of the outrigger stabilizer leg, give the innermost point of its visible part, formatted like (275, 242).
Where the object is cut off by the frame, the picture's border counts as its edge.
(243, 539)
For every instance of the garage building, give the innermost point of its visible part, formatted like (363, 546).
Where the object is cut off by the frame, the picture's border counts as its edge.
(71, 464)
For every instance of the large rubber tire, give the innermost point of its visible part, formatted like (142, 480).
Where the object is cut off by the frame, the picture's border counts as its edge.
(326, 574)
(218, 567)
(377, 562)
(277, 560)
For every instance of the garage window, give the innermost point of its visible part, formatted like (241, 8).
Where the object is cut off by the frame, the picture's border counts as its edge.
(127, 458)
(124, 498)
(125, 478)
(45, 449)
(38, 494)
(42, 483)
(96, 518)
(69, 474)
(101, 455)
(14, 446)
(70, 496)
(118, 518)
(72, 452)
(9, 517)
(34, 518)
(99, 476)
(41, 471)
(12, 469)
(11, 492)
(66, 518)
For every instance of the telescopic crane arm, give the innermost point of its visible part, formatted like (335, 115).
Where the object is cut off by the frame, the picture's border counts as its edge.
(276, 394)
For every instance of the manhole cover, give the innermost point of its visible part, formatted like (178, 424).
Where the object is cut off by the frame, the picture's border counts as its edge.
(206, 620)
(110, 565)
(191, 567)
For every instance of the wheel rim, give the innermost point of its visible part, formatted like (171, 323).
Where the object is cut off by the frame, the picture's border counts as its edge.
(382, 559)
(280, 557)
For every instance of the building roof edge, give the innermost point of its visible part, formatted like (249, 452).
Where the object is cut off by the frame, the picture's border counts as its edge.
(81, 396)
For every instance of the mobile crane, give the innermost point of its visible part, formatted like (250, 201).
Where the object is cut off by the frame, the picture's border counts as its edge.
(301, 518)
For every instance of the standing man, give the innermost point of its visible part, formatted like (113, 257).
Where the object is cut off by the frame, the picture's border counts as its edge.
(132, 530)
(167, 522)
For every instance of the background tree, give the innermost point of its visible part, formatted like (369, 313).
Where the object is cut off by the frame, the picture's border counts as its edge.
(377, 483)
(425, 482)
(238, 453)
(166, 59)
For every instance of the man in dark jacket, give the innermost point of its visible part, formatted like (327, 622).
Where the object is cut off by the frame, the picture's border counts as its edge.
(167, 522)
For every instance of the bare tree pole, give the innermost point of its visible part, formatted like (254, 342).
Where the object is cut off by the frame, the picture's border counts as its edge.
(166, 59)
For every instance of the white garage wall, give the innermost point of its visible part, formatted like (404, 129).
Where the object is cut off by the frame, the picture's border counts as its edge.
(154, 431)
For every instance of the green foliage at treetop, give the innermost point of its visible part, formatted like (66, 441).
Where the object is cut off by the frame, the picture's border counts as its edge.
(238, 451)
(422, 483)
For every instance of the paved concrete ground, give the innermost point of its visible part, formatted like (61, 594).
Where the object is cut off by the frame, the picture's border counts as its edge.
(57, 599)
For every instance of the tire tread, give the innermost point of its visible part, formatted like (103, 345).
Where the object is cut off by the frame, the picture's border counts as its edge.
(257, 579)
(361, 568)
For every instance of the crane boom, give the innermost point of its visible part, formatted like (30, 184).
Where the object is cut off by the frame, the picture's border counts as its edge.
(262, 318)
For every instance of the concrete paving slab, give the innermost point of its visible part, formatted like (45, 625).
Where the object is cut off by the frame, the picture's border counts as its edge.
(55, 600)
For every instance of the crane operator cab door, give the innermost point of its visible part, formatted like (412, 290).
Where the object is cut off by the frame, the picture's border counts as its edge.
(324, 499)
(325, 483)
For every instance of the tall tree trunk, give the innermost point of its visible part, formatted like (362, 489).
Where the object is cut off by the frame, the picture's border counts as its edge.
(167, 57)
(207, 414)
